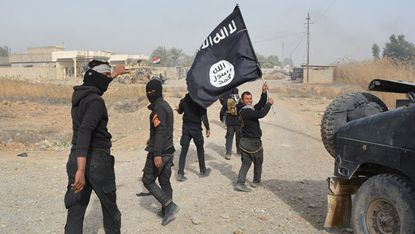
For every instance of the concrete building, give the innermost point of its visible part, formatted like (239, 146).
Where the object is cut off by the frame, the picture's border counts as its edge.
(35, 57)
(66, 63)
(318, 74)
(73, 63)
(4, 61)
(127, 59)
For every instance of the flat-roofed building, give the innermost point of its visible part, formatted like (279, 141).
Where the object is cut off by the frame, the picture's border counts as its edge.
(67, 63)
(318, 74)
(73, 63)
(127, 59)
(35, 57)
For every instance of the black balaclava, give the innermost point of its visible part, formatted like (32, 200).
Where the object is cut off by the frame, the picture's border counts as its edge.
(157, 87)
(96, 79)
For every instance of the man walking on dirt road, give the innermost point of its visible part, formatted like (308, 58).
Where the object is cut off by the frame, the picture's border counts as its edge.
(229, 114)
(160, 150)
(193, 115)
(90, 165)
(251, 145)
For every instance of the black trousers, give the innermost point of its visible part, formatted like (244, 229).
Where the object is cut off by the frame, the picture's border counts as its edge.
(230, 132)
(197, 136)
(248, 157)
(164, 192)
(100, 177)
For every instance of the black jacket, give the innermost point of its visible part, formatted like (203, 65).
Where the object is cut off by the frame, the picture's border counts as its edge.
(251, 115)
(193, 113)
(161, 128)
(89, 120)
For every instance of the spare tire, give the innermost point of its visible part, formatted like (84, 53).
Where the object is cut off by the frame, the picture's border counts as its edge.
(345, 108)
(373, 98)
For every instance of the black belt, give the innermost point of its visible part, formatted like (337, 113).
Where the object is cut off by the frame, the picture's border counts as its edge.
(105, 150)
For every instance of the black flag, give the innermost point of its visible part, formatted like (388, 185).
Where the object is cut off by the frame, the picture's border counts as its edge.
(225, 60)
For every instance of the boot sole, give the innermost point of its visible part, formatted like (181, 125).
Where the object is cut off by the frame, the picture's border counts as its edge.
(243, 190)
(172, 217)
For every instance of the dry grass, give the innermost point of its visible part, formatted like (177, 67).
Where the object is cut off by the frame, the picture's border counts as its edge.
(361, 73)
(60, 92)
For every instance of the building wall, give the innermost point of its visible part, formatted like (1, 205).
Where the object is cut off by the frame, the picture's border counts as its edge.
(65, 71)
(35, 56)
(44, 49)
(31, 58)
(4, 61)
(319, 75)
(28, 73)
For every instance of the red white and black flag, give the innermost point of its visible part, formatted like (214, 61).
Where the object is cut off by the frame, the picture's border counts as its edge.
(225, 60)
(156, 60)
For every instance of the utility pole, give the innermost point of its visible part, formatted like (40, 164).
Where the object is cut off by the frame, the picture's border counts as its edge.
(308, 46)
(282, 56)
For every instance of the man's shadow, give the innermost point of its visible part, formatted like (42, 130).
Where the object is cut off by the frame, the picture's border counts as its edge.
(307, 197)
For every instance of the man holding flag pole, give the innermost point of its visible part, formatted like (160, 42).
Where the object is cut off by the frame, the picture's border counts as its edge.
(225, 60)
(251, 144)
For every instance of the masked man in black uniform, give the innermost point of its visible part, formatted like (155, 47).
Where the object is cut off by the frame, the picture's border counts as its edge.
(160, 150)
(90, 165)
(193, 116)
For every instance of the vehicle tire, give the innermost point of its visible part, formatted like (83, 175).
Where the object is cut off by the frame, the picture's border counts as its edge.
(384, 204)
(372, 98)
(345, 108)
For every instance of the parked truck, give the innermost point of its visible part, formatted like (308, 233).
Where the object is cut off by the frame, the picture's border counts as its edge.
(373, 186)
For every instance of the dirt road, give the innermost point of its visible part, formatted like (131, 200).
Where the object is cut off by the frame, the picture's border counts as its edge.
(292, 199)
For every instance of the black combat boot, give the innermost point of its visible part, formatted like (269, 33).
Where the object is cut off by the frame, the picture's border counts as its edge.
(169, 214)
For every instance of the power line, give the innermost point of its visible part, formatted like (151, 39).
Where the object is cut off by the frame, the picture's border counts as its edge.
(279, 37)
(308, 46)
(325, 11)
(298, 44)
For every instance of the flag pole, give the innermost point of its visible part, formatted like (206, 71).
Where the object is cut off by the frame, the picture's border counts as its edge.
(268, 94)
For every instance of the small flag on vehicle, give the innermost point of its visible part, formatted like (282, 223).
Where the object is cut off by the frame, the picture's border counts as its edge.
(156, 60)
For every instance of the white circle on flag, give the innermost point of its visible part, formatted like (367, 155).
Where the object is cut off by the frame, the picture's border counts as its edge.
(221, 73)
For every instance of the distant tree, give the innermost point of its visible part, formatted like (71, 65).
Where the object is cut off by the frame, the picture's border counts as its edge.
(268, 62)
(261, 59)
(171, 57)
(288, 61)
(175, 55)
(375, 51)
(399, 49)
(4, 51)
(187, 61)
(163, 54)
(273, 60)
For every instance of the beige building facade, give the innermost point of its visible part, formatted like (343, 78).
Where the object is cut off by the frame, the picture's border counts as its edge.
(318, 74)
(72, 63)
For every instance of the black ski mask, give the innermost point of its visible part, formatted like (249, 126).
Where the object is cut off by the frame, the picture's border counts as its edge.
(96, 79)
(156, 88)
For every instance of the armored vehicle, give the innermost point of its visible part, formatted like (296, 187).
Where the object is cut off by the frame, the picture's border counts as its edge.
(374, 169)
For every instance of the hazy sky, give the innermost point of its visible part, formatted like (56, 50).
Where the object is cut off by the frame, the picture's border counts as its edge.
(342, 29)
